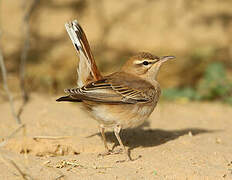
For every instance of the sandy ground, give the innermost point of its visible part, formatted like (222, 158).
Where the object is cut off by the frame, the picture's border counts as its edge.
(180, 141)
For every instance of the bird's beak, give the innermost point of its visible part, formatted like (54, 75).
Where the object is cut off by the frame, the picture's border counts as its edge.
(165, 58)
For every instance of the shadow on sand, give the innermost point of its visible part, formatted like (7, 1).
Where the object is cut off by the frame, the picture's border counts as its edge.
(150, 137)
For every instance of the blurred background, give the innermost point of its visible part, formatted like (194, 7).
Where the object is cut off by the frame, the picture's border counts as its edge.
(197, 32)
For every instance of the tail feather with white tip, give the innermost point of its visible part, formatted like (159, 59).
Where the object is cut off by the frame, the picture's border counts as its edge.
(87, 69)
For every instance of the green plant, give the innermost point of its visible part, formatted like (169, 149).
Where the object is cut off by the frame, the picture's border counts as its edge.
(180, 93)
(214, 85)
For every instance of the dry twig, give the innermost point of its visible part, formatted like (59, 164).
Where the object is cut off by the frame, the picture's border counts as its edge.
(23, 59)
(50, 137)
(24, 54)
(6, 88)
(10, 163)
(60, 177)
(12, 134)
(16, 130)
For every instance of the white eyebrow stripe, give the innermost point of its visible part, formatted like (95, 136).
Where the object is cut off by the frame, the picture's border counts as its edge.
(141, 61)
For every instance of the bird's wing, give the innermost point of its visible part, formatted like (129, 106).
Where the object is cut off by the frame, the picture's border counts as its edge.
(87, 70)
(109, 90)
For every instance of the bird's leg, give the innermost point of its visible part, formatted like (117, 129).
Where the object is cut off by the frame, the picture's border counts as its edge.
(107, 151)
(117, 130)
(102, 130)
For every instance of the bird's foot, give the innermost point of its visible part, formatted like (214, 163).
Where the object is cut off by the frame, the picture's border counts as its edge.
(110, 152)
(119, 151)
(127, 157)
(105, 153)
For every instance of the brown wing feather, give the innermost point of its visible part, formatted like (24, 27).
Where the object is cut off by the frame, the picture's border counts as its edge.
(110, 90)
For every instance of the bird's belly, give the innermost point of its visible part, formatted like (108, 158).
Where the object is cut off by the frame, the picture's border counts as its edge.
(128, 116)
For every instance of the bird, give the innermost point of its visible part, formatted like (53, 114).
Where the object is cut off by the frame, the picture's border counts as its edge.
(120, 100)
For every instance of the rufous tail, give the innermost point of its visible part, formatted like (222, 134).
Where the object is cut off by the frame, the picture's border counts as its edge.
(87, 69)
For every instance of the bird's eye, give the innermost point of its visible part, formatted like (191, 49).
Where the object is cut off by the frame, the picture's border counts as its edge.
(145, 63)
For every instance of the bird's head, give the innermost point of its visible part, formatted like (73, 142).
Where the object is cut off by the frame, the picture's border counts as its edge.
(145, 65)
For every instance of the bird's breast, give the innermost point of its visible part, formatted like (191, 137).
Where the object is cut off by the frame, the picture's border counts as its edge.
(126, 115)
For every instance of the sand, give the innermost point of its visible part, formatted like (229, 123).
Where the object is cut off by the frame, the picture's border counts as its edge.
(181, 140)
